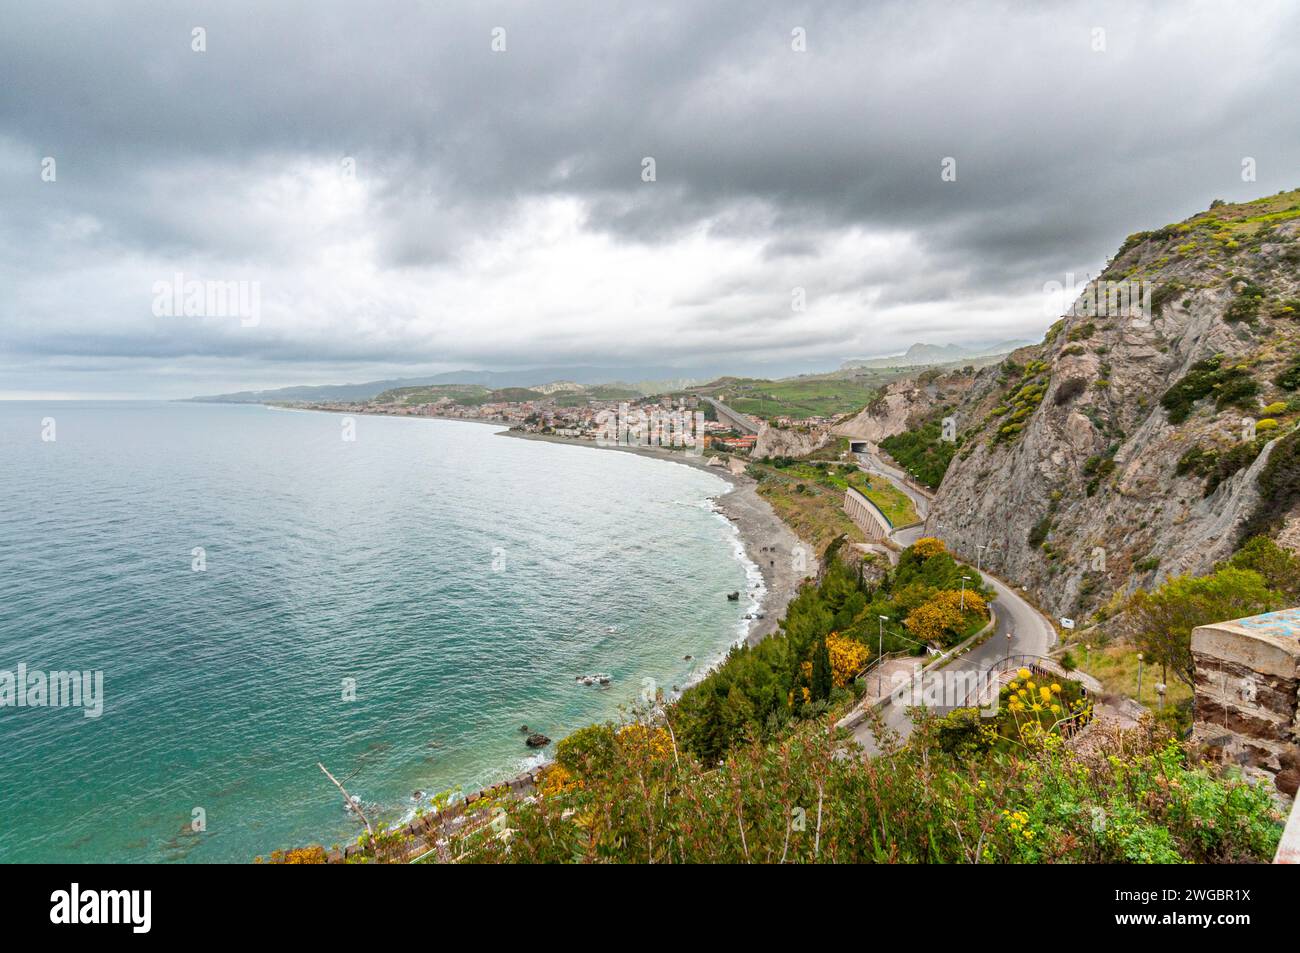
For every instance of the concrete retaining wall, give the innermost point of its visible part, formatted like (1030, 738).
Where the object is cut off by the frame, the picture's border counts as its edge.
(867, 516)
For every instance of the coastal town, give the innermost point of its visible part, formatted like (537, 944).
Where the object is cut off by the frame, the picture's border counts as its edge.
(573, 414)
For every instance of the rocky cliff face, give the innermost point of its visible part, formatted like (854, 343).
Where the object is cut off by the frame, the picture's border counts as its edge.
(780, 442)
(1128, 447)
(901, 406)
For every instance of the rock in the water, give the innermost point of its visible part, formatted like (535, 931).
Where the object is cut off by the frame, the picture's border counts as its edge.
(523, 729)
(734, 596)
(537, 740)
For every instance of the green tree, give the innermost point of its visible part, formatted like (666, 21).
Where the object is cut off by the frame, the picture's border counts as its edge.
(822, 680)
(1161, 622)
(1279, 567)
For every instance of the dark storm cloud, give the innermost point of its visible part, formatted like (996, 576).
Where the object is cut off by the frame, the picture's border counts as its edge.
(166, 156)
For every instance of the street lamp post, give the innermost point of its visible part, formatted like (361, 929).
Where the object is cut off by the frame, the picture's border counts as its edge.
(880, 651)
(964, 580)
(979, 555)
(1087, 658)
(1008, 646)
(1139, 677)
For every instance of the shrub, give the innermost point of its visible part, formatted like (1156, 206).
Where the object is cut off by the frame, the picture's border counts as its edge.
(1226, 464)
(1098, 467)
(1070, 389)
(941, 618)
(1245, 307)
(1232, 385)
(922, 453)
(928, 546)
(848, 657)
(1237, 389)
(1279, 487)
(1165, 292)
(1196, 460)
(1289, 379)
(588, 750)
(959, 800)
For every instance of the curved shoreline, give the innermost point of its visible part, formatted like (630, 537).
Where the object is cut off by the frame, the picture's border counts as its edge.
(763, 544)
(768, 542)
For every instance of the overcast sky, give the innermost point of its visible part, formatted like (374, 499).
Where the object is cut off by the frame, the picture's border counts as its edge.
(403, 198)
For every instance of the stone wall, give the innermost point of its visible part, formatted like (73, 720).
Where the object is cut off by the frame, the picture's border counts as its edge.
(1248, 692)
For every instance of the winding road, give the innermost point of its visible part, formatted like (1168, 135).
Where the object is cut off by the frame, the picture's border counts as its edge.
(1021, 629)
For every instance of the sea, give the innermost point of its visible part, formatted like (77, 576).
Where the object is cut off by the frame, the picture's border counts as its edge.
(258, 592)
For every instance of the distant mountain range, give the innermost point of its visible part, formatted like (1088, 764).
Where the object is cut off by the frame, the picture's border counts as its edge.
(919, 354)
(646, 379)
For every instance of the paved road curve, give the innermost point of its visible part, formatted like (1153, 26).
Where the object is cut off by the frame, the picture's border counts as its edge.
(1030, 632)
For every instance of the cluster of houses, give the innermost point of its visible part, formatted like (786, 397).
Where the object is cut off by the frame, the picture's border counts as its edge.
(586, 421)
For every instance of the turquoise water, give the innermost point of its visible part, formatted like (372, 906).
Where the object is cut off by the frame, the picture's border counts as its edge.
(461, 578)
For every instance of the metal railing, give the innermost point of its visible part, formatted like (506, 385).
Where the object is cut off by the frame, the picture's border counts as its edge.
(879, 660)
(1039, 665)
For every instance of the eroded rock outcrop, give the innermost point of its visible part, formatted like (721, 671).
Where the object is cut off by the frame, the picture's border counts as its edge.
(789, 441)
(1071, 476)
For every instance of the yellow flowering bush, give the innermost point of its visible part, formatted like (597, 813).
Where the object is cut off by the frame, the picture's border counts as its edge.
(942, 617)
(654, 742)
(558, 781)
(928, 546)
(848, 657)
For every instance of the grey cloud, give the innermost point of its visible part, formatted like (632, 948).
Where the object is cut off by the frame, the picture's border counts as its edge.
(1061, 151)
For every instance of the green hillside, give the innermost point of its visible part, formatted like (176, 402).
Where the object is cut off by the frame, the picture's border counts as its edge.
(461, 393)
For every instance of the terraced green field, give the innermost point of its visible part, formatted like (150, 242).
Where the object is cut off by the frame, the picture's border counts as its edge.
(893, 502)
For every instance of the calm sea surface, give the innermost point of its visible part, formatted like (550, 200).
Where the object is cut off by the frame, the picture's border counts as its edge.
(462, 579)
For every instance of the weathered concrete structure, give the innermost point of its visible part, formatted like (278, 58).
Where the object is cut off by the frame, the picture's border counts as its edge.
(870, 520)
(1248, 691)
